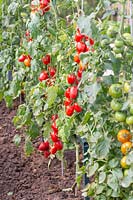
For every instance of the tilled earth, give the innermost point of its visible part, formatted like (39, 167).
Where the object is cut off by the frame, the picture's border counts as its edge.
(28, 178)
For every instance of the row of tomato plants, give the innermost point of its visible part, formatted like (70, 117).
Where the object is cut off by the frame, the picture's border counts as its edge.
(60, 69)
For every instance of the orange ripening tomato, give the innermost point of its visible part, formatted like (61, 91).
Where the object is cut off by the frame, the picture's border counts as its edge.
(124, 163)
(126, 147)
(82, 67)
(27, 62)
(76, 59)
(124, 136)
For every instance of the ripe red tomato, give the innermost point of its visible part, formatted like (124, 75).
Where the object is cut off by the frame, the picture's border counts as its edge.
(71, 78)
(76, 59)
(67, 93)
(81, 47)
(52, 71)
(22, 58)
(54, 137)
(78, 37)
(46, 154)
(54, 127)
(53, 150)
(43, 76)
(43, 3)
(44, 146)
(79, 73)
(77, 108)
(69, 110)
(46, 59)
(54, 117)
(58, 145)
(91, 41)
(27, 33)
(67, 102)
(73, 92)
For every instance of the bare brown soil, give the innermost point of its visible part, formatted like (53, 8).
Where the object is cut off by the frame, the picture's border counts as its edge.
(28, 178)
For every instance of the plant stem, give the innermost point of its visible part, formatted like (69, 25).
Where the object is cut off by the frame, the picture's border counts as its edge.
(131, 17)
(77, 163)
(123, 16)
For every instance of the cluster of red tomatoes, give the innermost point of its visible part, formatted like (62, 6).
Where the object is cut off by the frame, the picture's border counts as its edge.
(71, 93)
(42, 7)
(49, 74)
(124, 136)
(26, 59)
(57, 144)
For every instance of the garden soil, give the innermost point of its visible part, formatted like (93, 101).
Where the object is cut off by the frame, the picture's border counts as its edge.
(28, 178)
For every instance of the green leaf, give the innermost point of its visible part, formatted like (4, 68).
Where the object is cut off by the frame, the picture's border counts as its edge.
(127, 181)
(33, 130)
(102, 177)
(17, 139)
(92, 91)
(86, 117)
(100, 189)
(28, 147)
(112, 182)
(113, 163)
(103, 147)
(52, 94)
(93, 169)
(40, 119)
(129, 158)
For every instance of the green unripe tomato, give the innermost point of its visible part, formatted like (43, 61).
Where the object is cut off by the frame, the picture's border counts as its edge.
(119, 56)
(115, 105)
(118, 50)
(112, 31)
(115, 90)
(131, 109)
(129, 120)
(105, 42)
(119, 43)
(126, 87)
(120, 116)
(128, 38)
(126, 172)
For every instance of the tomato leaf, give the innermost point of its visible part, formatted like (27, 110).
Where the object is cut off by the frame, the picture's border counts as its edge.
(17, 139)
(93, 169)
(28, 147)
(102, 177)
(52, 94)
(103, 147)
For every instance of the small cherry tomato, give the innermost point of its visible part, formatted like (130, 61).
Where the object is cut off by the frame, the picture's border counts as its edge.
(58, 145)
(53, 150)
(124, 163)
(44, 146)
(73, 92)
(126, 147)
(27, 62)
(77, 108)
(124, 136)
(71, 78)
(67, 93)
(54, 137)
(69, 110)
(46, 59)
(76, 59)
